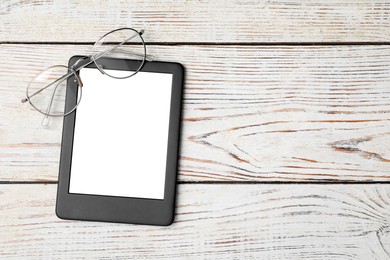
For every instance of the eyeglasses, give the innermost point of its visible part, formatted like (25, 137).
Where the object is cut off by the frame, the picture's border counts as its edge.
(46, 92)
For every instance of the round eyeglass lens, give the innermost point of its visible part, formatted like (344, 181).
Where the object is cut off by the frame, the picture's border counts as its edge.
(124, 43)
(47, 91)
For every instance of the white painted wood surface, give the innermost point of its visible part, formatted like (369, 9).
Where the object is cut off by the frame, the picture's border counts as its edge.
(292, 113)
(254, 113)
(198, 21)
(212, 222)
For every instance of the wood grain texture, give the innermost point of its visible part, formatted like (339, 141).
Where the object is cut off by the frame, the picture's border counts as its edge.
(212, 222)
(198, 21)
(251, 113)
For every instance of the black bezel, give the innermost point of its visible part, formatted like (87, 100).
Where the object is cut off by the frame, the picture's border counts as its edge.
(122, 209)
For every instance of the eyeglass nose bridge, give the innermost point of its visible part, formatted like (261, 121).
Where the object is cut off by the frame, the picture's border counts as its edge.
(82, 62)
(76, 74)
(77, 65)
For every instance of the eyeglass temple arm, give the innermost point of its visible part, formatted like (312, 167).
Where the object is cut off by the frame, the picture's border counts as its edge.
(100, 54)
(46, 118)
(95, 57)
(39, 91)
(148, 57)
(59, 79)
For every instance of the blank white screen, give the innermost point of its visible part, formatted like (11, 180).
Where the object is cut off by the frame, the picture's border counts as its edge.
(121, 135)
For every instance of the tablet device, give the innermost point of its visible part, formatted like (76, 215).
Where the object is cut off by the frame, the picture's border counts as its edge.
(119, 151)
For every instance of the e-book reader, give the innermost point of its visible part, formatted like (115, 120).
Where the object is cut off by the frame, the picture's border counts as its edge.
(119, 152)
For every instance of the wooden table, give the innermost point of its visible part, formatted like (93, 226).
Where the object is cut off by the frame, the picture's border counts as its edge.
(286, 129)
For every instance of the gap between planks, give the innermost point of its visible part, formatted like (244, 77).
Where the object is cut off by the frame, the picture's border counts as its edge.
(385, 43)
(233, 182)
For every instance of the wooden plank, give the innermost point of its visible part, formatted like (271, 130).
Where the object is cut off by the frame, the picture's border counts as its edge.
(198, 21)
(212, 222)
(275, 113)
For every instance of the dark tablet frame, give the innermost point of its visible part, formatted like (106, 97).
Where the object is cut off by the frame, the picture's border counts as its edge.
(122, 209)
